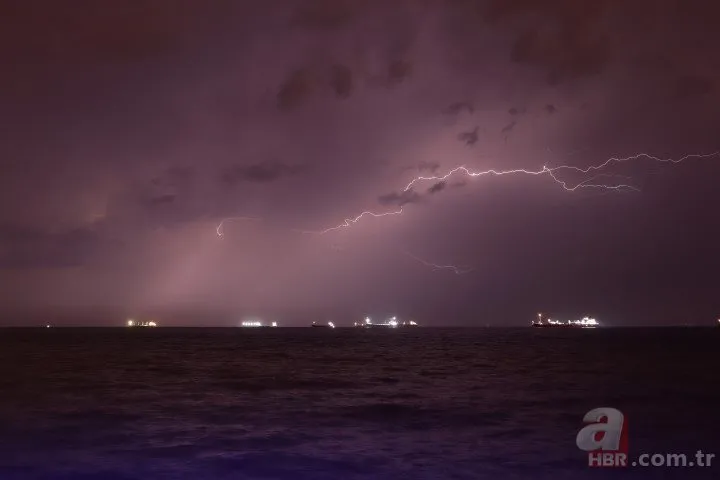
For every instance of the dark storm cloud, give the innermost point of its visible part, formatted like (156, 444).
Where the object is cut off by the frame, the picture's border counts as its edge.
(469, 138)
(175, 176)
(161, 199)
(563, 60)
(398, 71)
(550, 109)
(425, 166)
(323, 14)
(295, 90)
(567, 45)
(105, 33)
(260, 172)
(692, 86)
(438, 187)
(22, 247)
(342, 81)
(459, 107)
(399, 198)
(509, 127)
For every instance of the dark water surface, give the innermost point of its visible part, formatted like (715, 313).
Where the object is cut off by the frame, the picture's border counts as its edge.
(344, 404)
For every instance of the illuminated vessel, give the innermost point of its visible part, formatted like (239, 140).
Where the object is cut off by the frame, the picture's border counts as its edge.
(132, 323)
(585, 322)
(257, 324)
(391, 323)
(320, 325)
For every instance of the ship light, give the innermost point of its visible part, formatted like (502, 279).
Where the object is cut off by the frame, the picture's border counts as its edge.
(130, 323)
(274, 324)
(331, 325)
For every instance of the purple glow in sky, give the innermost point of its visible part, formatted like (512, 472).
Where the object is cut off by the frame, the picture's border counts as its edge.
(132, 130)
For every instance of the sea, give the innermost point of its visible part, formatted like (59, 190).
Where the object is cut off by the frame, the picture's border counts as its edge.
(305, 403)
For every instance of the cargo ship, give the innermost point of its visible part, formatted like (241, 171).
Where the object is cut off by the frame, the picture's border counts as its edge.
(134, 324)
(390, 323)
(257, 324)
(322, 325)
(585, 322)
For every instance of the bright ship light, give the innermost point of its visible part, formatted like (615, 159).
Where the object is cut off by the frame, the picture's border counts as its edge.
(331, 325)
(588, 322)
(274, 324)
(253, 323)
(585, 322)
(130, 323)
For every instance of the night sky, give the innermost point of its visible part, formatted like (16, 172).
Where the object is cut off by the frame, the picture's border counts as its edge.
(131, 129)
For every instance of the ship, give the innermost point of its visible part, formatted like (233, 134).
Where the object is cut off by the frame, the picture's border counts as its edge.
(133, 324)
(390, 323)
(585, 322)
(323, 325)
(257, 324)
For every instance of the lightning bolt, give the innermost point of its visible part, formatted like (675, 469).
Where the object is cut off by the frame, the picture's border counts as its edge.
(612, 160)
(351, 221)
(221, 225)
(587, 184)
(545, 170)
(455, 269)
(550, 172)
(348, 222)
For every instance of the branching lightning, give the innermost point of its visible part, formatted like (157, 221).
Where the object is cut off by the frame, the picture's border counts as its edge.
(351, 221)
(612, 160)
(551, 172)
(545, 170)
